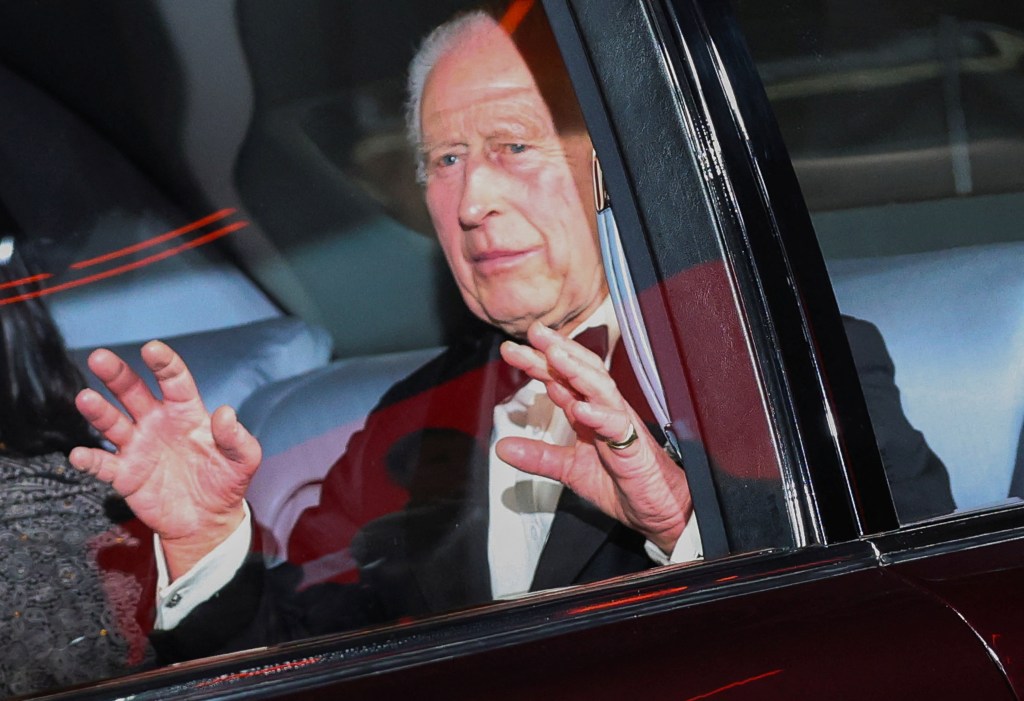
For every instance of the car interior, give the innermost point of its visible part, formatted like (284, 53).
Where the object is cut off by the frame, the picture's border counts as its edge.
(907, 142)
(234, 177)
(295, 319)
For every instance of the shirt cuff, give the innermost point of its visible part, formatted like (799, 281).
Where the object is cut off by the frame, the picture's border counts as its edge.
(688, 548)
(175, 601)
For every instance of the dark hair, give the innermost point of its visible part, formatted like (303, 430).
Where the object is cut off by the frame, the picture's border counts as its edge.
(38, 379)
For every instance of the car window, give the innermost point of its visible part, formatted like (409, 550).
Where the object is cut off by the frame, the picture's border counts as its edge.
(903, 122)
(256, 203)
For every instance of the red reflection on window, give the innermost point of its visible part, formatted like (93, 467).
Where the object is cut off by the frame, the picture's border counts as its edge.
(514, 15)
(149, 243)
(112, 272)
(627, 600)
(727, 687)
(26, 280)
(265, 671)
(800, 567)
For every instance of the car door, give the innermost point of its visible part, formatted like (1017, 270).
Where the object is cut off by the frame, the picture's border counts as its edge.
(810, 586)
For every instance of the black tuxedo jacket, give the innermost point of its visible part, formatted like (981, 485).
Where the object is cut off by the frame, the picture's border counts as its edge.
(401, 529)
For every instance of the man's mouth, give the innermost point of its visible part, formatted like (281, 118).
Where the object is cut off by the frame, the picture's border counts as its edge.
(499, 259)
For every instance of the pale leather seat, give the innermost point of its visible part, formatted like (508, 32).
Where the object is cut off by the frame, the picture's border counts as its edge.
(953, 321)
(304, 424)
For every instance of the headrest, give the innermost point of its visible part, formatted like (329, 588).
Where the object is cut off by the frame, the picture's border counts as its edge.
(230, 364)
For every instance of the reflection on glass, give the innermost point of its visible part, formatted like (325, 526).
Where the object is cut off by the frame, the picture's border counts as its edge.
(520, 457)
(905, 126)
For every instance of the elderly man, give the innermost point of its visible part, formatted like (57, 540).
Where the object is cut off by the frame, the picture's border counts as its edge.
(505, 176)
(506, 163)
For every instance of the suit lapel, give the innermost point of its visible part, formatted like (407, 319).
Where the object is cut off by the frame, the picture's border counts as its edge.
(447, 529)
(579, 528)
(578, 531)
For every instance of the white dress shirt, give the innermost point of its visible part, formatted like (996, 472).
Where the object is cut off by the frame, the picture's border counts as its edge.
(521, 508)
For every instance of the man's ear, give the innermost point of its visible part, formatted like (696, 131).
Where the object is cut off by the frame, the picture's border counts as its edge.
(579, 153)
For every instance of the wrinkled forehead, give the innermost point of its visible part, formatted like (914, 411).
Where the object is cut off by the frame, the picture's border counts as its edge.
(518, 113)
(483, 63)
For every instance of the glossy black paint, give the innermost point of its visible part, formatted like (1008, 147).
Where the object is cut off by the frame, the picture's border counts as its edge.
(824, 622)
(733, 649)
(973, 564)
(917, 613)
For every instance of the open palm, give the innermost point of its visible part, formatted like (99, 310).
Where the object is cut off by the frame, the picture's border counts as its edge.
(639, 484)
(183, 472)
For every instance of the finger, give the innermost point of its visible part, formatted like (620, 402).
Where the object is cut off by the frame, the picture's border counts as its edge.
(536, 457)
(591, 383)
(527, 359)
(173, 376)
(104, 417)
(234, 440)
(581, 369)
(123, 382)
(609, 425)
(545, 340)
(96, 462)
(565, 398)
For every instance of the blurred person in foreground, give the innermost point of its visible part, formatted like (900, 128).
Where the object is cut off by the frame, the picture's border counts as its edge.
(67, 619)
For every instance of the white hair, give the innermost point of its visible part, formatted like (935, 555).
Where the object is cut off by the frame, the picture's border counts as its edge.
(434, 46)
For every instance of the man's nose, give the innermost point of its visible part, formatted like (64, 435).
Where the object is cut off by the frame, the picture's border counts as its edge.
(481, 192)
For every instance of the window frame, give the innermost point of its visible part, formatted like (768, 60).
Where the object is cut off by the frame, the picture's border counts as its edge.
(753, 206)
(823, 419)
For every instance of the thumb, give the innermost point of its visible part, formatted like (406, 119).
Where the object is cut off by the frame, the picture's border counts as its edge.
(233, 440)
(536, 457)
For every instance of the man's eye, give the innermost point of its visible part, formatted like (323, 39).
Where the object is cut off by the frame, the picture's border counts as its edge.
(447, 160)
(517, 148)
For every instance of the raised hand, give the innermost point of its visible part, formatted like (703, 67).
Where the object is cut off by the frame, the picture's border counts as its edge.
(635, 482)
(183, 472)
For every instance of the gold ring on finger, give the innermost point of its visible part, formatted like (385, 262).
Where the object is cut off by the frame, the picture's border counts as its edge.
(625, 443)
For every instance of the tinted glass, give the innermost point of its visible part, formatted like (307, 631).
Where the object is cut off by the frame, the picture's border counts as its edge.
(904, 123)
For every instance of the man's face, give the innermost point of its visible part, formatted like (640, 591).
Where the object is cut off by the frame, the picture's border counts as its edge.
(506, 192)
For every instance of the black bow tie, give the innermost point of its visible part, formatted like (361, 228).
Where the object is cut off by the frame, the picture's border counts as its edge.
(511, 380)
